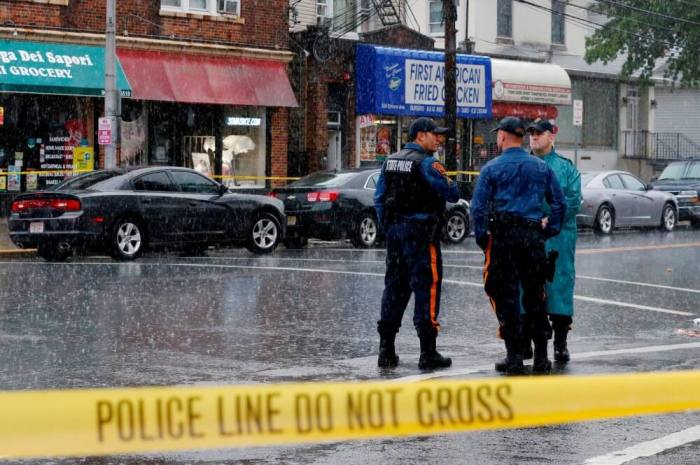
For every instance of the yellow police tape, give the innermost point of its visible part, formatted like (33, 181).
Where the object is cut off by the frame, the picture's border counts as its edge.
(245, 178)
(117, 421)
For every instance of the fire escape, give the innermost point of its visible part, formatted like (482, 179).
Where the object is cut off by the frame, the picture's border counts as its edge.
(387, 12)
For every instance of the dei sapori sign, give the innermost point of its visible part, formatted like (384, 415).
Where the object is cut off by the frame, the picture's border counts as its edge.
(394, 81)
(50, 68)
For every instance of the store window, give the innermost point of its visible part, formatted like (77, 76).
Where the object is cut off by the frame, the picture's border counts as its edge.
(244, 147)
(378, 137)
(600, 118)
(49, 135)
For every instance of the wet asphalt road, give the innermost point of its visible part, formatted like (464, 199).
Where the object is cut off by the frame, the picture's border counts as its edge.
(232, 317)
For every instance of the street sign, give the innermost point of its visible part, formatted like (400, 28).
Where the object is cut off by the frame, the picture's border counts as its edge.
(578, 112)
(104, 131)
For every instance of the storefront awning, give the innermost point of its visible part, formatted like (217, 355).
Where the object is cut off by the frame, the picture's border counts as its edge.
(526, 82)
(49, 68)
(187, 78)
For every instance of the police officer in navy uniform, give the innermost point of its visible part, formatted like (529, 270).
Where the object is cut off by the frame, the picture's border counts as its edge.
(509, 225)
(410, 204)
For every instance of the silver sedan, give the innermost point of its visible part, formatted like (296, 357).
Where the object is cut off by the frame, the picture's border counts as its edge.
(614, 199)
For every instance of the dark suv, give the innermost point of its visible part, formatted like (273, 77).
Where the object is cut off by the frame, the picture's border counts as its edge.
(682, 178)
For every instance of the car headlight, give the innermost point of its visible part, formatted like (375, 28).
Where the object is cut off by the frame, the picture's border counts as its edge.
(688, 193)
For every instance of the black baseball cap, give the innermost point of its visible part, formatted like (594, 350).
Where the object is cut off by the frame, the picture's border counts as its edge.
(424, 125)
(512, 125)
(542, 125)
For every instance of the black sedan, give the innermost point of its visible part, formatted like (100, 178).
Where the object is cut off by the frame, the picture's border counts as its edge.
(331, 205)
(124, 212)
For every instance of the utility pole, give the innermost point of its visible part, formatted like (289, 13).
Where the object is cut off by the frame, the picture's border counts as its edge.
(467, 124)
(450, 15)
(111, 91)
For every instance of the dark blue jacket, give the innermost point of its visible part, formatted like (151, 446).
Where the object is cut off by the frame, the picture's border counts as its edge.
(433, 172)
(516, 182)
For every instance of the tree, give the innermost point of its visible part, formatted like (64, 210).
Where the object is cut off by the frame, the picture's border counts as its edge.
(650, 34)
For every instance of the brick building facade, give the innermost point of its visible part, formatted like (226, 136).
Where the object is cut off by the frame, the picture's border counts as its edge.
(325, 87)
(208, 88)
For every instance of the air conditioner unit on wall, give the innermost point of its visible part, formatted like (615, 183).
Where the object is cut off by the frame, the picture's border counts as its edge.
(229, 7)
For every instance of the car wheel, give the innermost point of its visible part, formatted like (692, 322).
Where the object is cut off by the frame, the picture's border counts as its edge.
(127, 240)
(366, 231)
(54, 252)
(265, 234)
(605, 220)
(668, 218)
(295, 242)
(695, 223)
(456, 228)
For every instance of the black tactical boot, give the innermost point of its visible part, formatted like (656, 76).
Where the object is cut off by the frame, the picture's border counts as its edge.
(430, 358)
(512, 364)
(541, 364)
(527, 349)
(387, 351)
(561, 351)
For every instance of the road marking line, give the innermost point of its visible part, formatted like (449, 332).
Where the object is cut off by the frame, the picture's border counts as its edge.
(445, 265)
(581, 356)
(358, 273)
(629, 305)
(634, 248)
(636, 283)
(444, 252)
(648, 448)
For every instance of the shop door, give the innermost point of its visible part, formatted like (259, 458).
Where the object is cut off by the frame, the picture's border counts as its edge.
(334, 150)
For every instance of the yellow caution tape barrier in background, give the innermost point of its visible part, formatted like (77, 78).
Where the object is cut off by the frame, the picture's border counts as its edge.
(138, 420)
(243, 178)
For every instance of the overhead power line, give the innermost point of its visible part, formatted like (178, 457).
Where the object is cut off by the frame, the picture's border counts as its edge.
(593, 23)
(649, 12)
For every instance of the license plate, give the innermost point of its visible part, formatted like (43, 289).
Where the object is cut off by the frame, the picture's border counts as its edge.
(291, 220)
(36, 227)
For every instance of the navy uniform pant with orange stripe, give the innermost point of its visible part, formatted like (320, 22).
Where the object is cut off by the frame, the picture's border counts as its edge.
(413, 266)
(515, 259)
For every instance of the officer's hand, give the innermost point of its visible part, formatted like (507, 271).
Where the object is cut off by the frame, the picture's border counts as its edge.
(545, 222)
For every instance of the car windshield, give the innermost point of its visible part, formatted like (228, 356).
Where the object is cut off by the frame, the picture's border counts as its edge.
(86, 181)
(693, 172)
(672, 172)
(323, 179)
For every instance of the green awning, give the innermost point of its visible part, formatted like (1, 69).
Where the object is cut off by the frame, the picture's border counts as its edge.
(50, 68)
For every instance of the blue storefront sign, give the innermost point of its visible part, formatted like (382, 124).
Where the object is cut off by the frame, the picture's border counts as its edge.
(406, 82)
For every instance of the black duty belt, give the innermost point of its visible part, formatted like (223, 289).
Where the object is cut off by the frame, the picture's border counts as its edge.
(505, 221)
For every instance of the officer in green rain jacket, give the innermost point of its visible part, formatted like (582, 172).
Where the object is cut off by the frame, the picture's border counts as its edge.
(560, 292)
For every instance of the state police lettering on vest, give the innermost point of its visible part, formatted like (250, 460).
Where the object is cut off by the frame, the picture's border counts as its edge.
(410, 198)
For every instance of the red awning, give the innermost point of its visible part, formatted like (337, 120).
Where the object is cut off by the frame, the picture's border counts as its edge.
(524, 110)
(187, 78)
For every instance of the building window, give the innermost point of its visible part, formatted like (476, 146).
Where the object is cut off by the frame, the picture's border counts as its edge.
(504, 19)
(213, 7)
(558, 10)
(344, 15)
(435, 23)
(324, 11)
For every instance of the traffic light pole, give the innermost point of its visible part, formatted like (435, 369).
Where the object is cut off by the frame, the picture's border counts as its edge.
(450, 16)
(111, 92)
